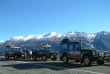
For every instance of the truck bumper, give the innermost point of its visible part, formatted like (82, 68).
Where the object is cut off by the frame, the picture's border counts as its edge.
(98, 58)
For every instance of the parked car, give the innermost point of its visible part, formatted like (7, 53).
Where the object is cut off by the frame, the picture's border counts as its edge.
(15, 52)
(44, 52)
(80, 52)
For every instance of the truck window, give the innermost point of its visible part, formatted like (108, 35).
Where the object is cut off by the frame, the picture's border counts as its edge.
(12, 49)
(7, 49)
(49, 48)
(77, 47)
(44, 48)
(64, 46)
(38, 48)
(71, 46)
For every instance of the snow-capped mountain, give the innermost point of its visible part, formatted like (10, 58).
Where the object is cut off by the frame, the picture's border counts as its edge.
(89, 36)
(1, 41)
(100, 40)
(99, 34)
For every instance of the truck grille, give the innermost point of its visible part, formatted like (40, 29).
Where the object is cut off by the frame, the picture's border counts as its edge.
(101, 54)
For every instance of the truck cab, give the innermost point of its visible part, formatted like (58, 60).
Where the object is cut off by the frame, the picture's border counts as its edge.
(80, 52)
(43, 51)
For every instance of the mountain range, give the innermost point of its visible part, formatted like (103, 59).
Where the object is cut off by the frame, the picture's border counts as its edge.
(100, 40)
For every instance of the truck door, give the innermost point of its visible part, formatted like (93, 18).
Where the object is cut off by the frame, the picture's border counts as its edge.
(11, 53)
(77, 50)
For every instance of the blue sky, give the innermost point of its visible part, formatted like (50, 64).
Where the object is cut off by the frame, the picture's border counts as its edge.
(23, 17)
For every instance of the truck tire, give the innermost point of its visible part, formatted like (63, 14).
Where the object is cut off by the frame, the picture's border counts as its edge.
(44, 58)
(87, 61)
(7, 57)
(34, 57)
(54, 59)
(100, 62)
(15, 57)
(65, 59)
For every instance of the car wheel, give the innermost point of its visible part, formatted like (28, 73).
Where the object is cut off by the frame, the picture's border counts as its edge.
(100, 62)
(44, 58)
(15, 57)
(7, 57)
(87, 61)
(65, 59)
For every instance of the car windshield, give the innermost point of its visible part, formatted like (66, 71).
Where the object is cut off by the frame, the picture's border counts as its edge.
(87, 46)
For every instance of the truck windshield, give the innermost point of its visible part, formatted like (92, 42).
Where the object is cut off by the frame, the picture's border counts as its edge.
(87, 46)
(44, 48)
(34, 49)
(18, 49)
(49, 49)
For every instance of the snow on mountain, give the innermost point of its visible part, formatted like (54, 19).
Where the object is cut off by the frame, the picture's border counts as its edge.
(84, 34)
(54, 34)
(38, 36)
(101, 33)
(1, 41)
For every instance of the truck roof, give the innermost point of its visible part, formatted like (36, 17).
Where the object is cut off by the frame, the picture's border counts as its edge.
(69, 41)
(42, 45)
(15, 47)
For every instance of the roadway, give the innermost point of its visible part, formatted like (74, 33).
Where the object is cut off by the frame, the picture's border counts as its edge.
(22, 66)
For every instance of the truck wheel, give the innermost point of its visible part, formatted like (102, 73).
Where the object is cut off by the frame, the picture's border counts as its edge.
(15, 57)
(100, 62)
(87, 61)
(61, 58)
(65, 59)
(24, 57)
(34, 57)
(44, 58)
(7, 57)
(54, 59)
(108, 59)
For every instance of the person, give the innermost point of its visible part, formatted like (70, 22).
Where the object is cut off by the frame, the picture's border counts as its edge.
(30, 53)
